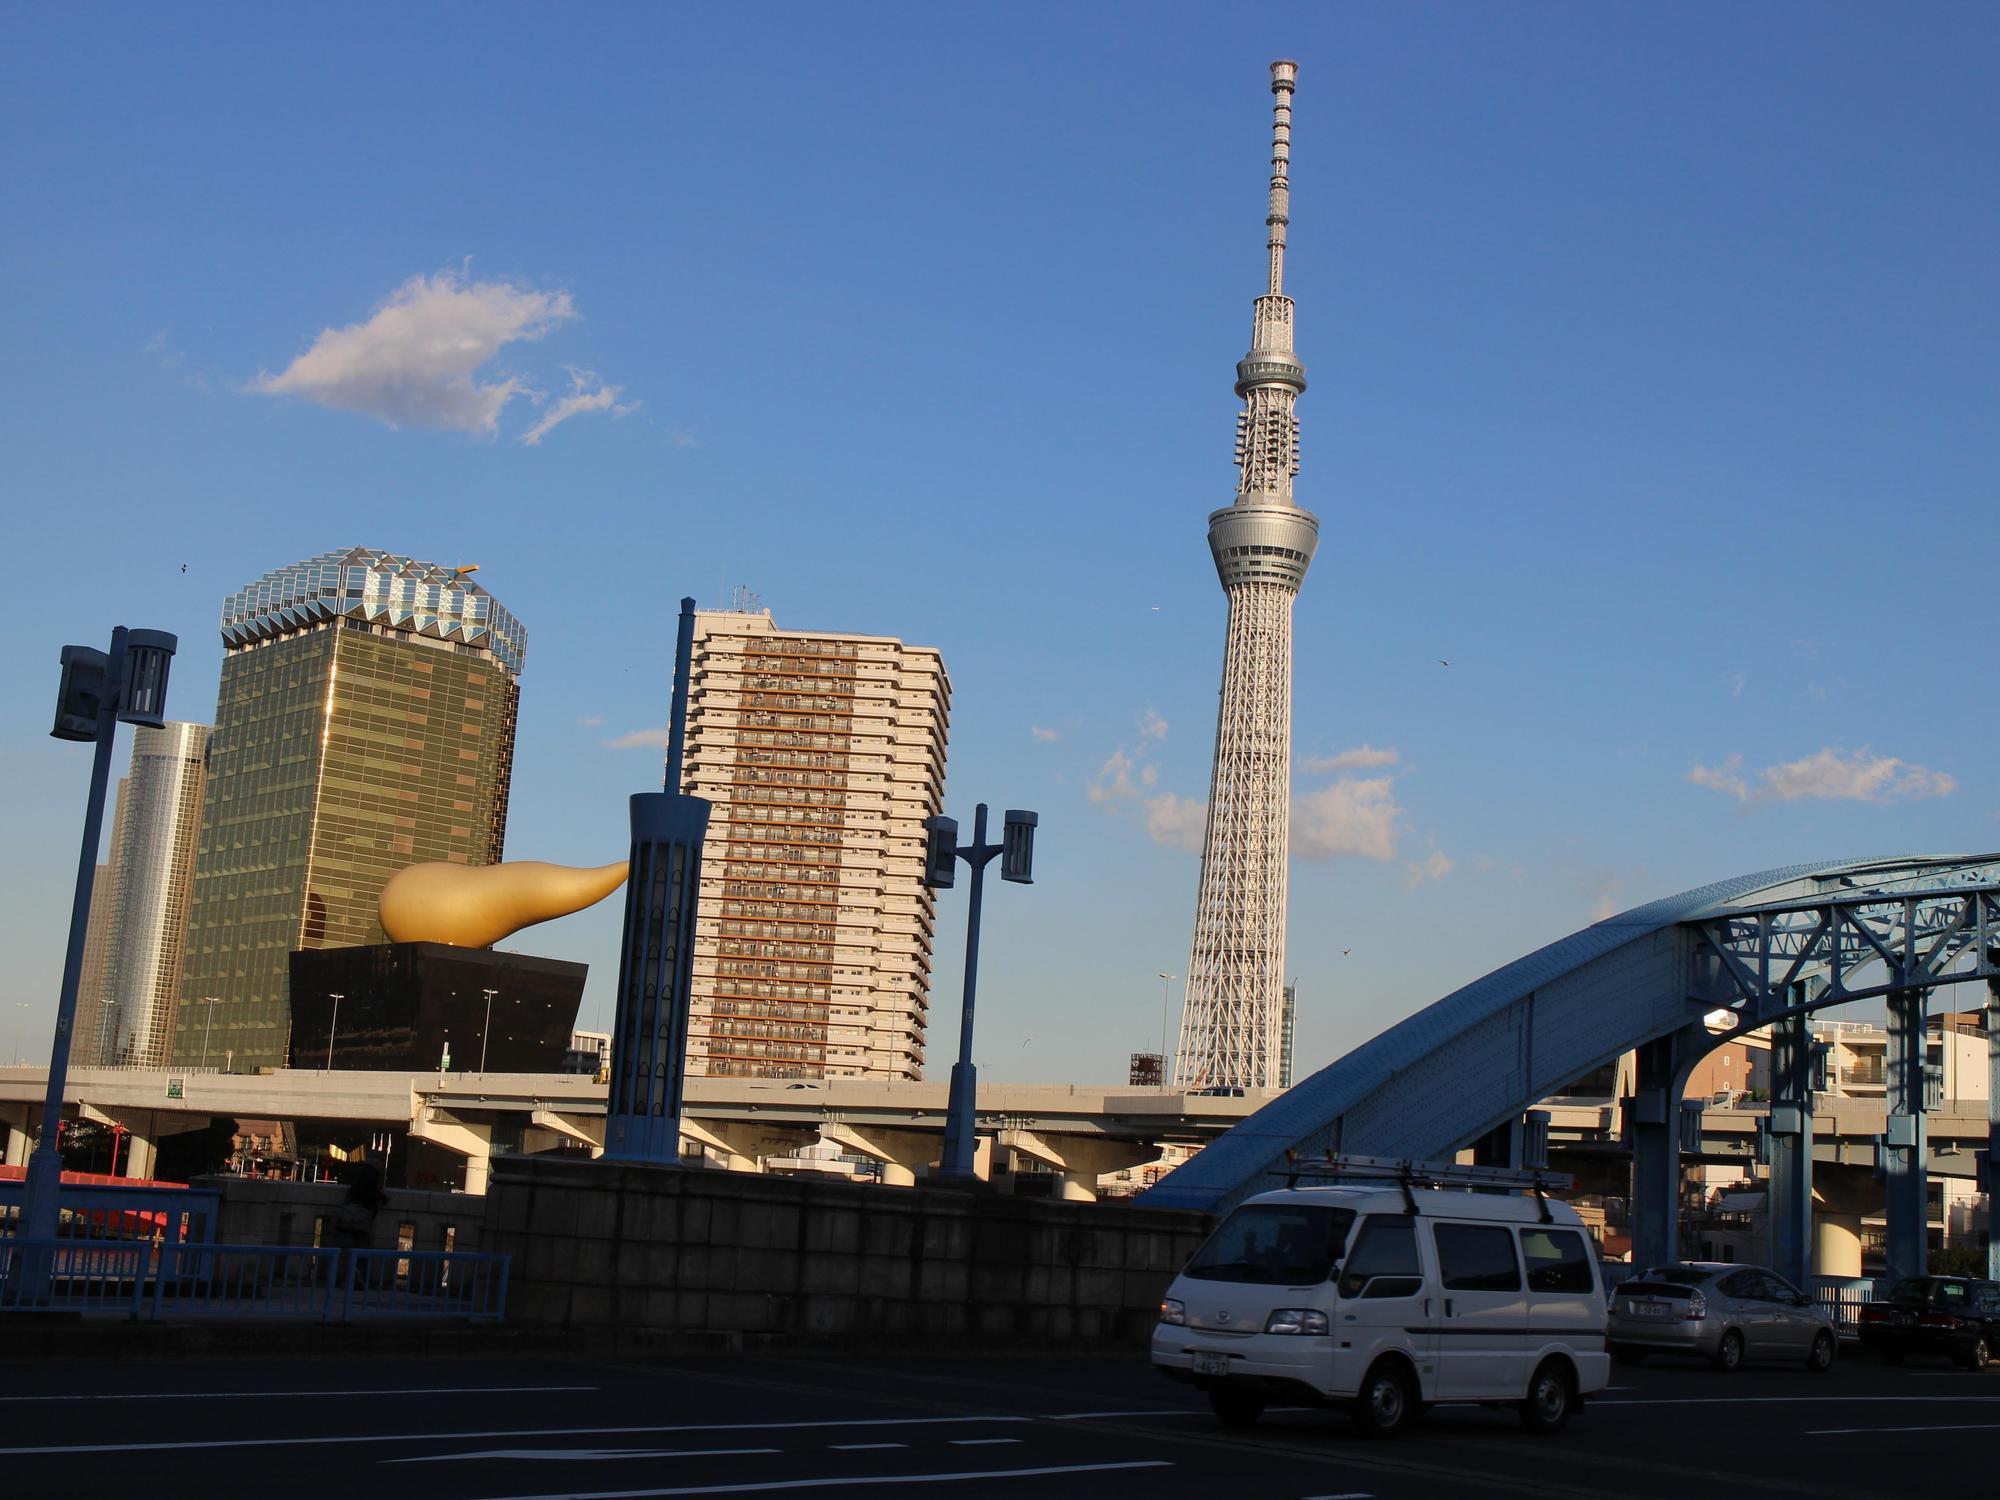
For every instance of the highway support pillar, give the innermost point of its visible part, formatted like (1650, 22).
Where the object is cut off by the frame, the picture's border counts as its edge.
(471, 1139)
(744, 1145)
(1992, 1162)
(1080, 1159)
(1905, 1174)
(901, 1154)
(19, 1141)
(1653, 1127)
(1791, 1149)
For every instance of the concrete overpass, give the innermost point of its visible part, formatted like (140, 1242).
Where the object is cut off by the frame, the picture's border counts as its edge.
(1078, 1131)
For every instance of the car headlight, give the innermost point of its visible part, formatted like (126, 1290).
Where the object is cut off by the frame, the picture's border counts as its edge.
(1296, 1320)
(1173, 1311)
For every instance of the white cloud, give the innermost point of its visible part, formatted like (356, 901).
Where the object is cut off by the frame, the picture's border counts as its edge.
(1828, 775)
(414, 362)
(1044, 736)
(1433, 866)
(591, 721)
(1360, 758)
(1735, 682)
(684, 440)
(581, 399)
(652, 739)
(1114, 781)
(1350, 817)
(1177, 822)
(1152, 726)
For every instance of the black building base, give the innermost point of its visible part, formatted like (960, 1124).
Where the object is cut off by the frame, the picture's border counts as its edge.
(409, 1007)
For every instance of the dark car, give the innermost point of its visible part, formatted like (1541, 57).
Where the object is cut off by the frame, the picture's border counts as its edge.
(1953, 1316)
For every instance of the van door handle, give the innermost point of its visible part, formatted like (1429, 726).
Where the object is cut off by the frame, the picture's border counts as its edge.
(1447, 1307)
(1427, 1307)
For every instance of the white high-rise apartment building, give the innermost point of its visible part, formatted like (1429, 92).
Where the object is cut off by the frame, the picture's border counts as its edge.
(822, 753)
(136, 938)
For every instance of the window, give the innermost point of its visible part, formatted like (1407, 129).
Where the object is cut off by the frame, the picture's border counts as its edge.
(1477, 1258)
(1274, 1244)
(1558, 1261)
(1384, 1262)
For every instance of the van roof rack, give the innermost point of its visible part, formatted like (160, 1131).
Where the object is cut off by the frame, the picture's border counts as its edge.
(1409, 1175)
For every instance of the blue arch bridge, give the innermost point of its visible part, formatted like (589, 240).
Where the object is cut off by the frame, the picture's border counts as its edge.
(1669, 981)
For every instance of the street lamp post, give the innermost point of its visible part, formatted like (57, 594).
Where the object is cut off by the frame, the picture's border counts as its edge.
(485, 1028)
(1166, 1010)
(207, 1027)
(129, 682)
(332, 1028)
(941, 853)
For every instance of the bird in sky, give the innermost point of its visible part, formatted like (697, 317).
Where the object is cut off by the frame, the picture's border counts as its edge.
(1345, 951)
(184, 567)
(1442, 662)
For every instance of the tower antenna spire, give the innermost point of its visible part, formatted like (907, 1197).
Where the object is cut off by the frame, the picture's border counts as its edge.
(1284, 78)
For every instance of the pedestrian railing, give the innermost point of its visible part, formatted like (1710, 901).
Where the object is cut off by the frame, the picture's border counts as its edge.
(141, 1281)
(1842, 1299)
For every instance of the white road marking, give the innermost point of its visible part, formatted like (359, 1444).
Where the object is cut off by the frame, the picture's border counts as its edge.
(1953, 1427)
(863, 1447)
(1788, 1401)
(833, 1482)
(980, 1442)
(1345, 1495)
(415, 1390)
(566, 1455)
(197, 1444)
(1087, 1416)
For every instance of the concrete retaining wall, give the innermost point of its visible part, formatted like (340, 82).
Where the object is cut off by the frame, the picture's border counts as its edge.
(263, 1211)
(671, 1249)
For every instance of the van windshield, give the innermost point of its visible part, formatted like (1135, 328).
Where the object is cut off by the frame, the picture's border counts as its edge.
(1277, 1244)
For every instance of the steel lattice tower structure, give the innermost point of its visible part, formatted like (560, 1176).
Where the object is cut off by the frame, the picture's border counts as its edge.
(1232, 1016)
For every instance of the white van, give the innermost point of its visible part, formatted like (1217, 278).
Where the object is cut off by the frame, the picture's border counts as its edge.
(1390, 1298)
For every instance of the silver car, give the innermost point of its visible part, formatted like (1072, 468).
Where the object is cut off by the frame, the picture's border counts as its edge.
(1722, 1313)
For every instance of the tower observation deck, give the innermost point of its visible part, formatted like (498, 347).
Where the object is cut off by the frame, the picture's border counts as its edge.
(1232, 1021)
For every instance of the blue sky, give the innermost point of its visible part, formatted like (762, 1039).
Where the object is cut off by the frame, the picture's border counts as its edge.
(1654, 366)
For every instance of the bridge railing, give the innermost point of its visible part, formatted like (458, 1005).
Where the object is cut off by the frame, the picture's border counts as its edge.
(1841, 1298)
(140, 1281)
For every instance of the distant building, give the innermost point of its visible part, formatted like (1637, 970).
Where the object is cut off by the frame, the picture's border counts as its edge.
(365, 723)
(823, 754)
(589, 1053)
(1148, 1071)
(86, 1049)
(127, 993)
(1287, 1029)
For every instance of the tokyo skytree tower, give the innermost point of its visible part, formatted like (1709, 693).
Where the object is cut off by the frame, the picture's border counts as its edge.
(1231, 1022)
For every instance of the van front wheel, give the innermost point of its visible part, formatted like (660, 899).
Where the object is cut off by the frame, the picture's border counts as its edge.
(1386, 1404)
(1235, 1408)
(1551, 1398)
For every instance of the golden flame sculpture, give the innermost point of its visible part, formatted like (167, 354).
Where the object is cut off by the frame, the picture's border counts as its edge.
(474, 906)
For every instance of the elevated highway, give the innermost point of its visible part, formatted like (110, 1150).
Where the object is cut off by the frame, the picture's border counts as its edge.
(1078, 1131)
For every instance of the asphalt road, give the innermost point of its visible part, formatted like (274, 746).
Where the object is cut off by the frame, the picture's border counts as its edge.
(992, 1426)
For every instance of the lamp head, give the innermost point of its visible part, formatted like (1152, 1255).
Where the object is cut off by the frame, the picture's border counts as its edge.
(148, 656)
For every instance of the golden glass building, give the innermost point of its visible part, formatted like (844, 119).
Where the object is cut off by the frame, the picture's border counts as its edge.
(365, 722)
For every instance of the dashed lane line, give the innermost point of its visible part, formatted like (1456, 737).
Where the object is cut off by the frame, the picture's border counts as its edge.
(849, 1482)
(579, 1455)
(1939, 1427)
(308, 1440)
(414, 1390)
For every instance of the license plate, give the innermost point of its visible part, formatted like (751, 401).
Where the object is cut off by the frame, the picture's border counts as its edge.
(1211, 1364)
(1652, 1309)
